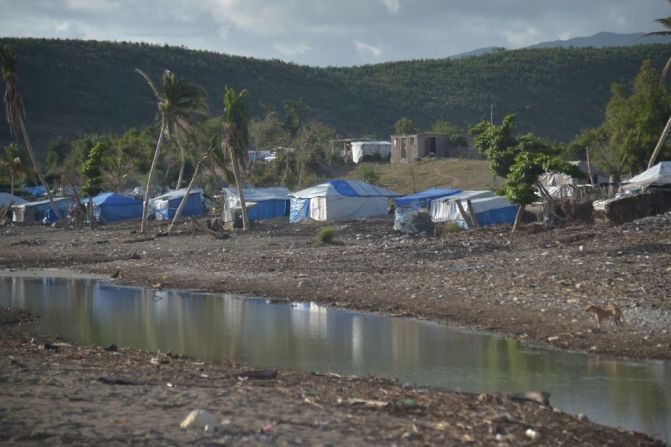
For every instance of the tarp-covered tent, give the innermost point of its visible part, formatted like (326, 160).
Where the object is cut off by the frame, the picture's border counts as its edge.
(262, 203)
(10, 199)
(165, 206)
(36, 191)
(423, 199)
(339, 199)
(111, 207)
(488, 211)
(360, 149)
(38, 212)
(444, 209)
(658, 175)
(556, 179)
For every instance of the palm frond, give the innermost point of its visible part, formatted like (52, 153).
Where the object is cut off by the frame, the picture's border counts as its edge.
(667, 67)
(149, 81)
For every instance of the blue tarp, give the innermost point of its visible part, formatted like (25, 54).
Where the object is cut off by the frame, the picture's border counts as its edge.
(111, 207)
(166, 205)
(268, 209)
(262, 203)
(423, 199)
(36, 191)
(300, 210)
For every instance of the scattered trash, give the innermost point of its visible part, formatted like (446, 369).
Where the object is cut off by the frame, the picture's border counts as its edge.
(406, 404)
(553, 338)
(111, 348)
(367, 403)
(199, 419)
(532, 434)
(263, 374)
(539, 397)
(268, 428)
(158, 360)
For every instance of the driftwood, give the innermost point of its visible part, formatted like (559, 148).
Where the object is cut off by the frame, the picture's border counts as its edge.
(464, 214)
(471, 213)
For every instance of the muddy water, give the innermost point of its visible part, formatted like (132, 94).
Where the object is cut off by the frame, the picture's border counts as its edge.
(632, 394)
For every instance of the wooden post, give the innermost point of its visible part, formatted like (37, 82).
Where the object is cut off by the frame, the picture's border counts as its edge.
(464, 214)
(471, 213)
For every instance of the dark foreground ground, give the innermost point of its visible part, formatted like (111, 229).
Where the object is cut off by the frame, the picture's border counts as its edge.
(52, 393)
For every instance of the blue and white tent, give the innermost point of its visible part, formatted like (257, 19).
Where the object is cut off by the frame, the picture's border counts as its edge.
(262, 203)
(165, 206)
(658, 175)
(444, 209)
(339, 199)
(10, 199)
(111, 207)
(41, 212)
(488, 211)
(423, 199)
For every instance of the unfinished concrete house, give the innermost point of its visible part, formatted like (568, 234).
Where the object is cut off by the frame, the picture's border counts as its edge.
(408, 148)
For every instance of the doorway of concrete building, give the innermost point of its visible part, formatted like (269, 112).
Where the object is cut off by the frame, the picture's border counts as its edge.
(430, 145)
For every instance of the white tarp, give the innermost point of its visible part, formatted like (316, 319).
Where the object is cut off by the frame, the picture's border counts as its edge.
(445, 209)
(339, 199)
(362, 148)
(658, 175)
(9, 199)
(232, 200)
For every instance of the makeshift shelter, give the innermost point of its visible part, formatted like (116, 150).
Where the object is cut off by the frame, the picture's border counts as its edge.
(339, 199)
(111, 207)
(41, 212)
(361, 149)
(165, 206)
(495, 210)
(553, 180)
(262, 203)
(36, 191)
(413, 212)
(658, 175)
(444, 209)
(423, 199)
(10, 199)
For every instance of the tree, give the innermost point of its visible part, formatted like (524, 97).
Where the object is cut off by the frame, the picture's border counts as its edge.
(522, 180)
(295, 113)
(456, 135)
(520, 160)
(666, 21)
(92, 174)
(12, 164)
(179, 101)
(236, 142)
(214, 143)
(15, 113)
(405, 126)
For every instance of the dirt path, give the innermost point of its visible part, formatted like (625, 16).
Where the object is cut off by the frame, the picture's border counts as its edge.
(52, 393)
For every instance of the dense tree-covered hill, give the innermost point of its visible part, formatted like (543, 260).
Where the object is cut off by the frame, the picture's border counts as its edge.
(73, 87)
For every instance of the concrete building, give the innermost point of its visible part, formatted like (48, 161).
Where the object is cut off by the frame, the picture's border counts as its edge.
(408, 148)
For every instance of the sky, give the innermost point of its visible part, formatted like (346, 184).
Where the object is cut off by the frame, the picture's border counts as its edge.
(329, 32)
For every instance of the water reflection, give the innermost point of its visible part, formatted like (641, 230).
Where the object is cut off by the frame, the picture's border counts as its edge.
(635, 395)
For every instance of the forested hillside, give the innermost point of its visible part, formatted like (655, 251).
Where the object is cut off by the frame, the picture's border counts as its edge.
(74, 87)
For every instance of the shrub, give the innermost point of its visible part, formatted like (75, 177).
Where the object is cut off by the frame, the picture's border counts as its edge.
(327, 235)
(451, 227)
(368, 174)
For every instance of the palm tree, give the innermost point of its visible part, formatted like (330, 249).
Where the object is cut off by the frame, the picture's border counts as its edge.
(236, 141)
(178, 101)
(15, 113)
(214, 142)
(666, 21)
(12, 164)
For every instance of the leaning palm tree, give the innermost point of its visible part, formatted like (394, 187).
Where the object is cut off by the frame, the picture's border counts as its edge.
(15, 113)
(666, 21)
(214, 142)
(236, 142)
(179, 101)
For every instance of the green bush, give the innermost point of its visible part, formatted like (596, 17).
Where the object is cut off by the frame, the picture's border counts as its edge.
(327, 235)
(451, 227)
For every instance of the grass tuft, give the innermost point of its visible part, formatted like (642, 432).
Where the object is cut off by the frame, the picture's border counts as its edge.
(327, 235)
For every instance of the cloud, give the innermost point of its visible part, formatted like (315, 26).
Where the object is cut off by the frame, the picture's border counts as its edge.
(521, 38)
(363, 48)
(95, 6)
(291, 50)
(393, 6)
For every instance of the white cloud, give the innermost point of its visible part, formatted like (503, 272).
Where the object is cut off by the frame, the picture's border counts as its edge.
(393, 6)
(291, 50)
(364, 48)
(520, 38)
(92, 5)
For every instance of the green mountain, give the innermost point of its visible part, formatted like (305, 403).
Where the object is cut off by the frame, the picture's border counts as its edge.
(73, 87)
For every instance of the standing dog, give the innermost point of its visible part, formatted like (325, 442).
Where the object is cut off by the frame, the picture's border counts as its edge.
(610, 311)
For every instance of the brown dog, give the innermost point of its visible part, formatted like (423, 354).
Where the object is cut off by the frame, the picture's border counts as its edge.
(610, 311)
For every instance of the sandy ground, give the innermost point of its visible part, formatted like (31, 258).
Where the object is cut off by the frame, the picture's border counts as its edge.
(533, 285)
(53, 393)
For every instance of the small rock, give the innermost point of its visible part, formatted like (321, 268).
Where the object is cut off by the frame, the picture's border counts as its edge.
(582, 417)
(111, 348)
(532, 434)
